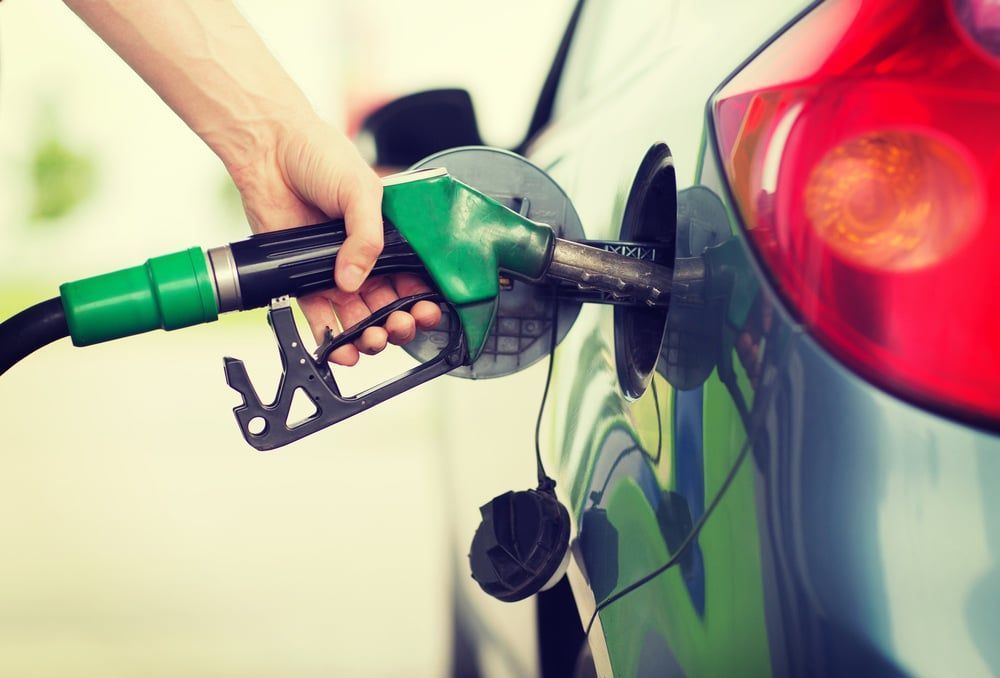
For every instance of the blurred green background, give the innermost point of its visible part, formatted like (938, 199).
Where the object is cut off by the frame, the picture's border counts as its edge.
(141, 536)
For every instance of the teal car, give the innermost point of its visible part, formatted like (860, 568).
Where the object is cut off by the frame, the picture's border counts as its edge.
(793, 471)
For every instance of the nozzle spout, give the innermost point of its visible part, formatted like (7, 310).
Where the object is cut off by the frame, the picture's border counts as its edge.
(642, 282)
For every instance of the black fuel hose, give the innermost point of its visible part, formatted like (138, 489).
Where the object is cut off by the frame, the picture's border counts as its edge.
(29, 330)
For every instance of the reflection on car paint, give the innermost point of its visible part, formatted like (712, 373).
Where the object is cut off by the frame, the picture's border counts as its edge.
(637, 498)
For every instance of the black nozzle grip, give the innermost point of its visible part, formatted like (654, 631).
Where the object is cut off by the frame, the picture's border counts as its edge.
(298, 261)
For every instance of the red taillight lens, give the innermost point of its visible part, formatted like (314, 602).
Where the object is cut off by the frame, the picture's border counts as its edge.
(862, 150)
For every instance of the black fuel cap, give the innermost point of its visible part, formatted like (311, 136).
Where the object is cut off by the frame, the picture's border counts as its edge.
(520, 545)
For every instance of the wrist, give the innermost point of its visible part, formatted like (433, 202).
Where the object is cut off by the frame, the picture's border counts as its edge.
(254, 154)
(258, 169)
(250, 145)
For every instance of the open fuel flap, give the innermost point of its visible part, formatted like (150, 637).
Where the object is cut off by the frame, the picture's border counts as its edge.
(651, 219)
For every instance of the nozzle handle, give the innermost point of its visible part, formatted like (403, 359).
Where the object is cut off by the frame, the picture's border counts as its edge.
(299, 261)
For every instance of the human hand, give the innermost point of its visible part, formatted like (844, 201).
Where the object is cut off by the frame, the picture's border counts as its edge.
(211, 67)
(310, 173)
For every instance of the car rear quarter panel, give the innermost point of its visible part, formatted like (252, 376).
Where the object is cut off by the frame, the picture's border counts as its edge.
(637, 474)
(856, 532)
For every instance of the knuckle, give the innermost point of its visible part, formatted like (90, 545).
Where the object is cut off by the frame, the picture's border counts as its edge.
(362, 185)
(339, 297)
(376, 284)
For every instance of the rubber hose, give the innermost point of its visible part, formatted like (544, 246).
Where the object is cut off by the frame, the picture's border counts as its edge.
(31, 329)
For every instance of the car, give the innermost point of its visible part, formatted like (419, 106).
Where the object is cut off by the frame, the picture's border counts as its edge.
(793, 470)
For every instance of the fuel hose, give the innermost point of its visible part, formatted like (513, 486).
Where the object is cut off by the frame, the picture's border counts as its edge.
(191, 287)
(30, 330)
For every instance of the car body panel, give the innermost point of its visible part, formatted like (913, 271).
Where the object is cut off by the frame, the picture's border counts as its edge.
(818, 505)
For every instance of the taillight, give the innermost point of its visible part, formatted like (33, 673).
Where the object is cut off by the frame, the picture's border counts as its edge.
(861, 148)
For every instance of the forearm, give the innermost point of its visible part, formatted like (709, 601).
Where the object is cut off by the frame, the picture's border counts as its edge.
(208, 65)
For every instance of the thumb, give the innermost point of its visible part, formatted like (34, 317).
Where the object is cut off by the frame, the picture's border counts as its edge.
(326, 170)
(362, 208)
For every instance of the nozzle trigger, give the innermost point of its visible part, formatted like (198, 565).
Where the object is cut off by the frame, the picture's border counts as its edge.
(266, 426)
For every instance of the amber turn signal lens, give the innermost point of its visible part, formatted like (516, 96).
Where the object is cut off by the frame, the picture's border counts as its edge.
(894, 200)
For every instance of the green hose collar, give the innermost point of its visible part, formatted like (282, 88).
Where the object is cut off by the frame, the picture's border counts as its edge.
(167, 292)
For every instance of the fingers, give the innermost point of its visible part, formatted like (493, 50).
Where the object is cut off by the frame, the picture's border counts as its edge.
(399, 326)
(362, 202)
(426, 313)
(337, 309)
(351, 309)
(320, 315)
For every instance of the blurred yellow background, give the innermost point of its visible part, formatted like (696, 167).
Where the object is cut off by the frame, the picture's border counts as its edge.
(141, 536)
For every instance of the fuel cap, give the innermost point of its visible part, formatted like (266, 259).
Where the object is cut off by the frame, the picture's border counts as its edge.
(521, 546)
